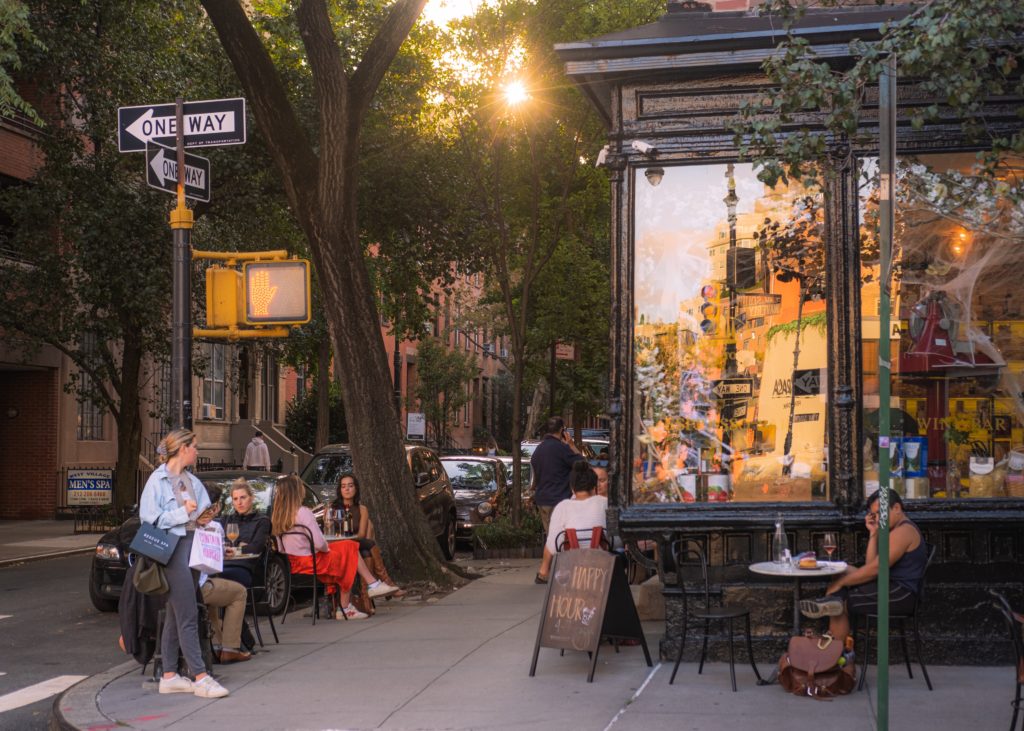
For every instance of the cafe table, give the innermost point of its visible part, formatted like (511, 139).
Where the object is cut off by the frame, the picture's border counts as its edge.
(786, 570)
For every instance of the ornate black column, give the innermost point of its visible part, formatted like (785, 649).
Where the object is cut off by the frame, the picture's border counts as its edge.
(842, 264)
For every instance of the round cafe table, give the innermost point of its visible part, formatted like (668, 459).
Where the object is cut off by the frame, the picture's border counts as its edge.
(788, 571)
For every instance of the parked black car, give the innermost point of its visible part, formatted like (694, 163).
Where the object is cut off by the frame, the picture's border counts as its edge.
(110, 561)
(481, 490)
(432, 486)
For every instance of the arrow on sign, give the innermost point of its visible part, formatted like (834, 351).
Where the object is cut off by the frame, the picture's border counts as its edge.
(149, 127)
(162, 172)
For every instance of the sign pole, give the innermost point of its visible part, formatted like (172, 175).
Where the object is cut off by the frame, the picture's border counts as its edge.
(887, 184)
(181, 316)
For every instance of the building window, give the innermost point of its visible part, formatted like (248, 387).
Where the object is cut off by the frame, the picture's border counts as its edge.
(164, 393)
(213, 381)
(724, 415)
(90, 414)
(269, 386)
(466, 406)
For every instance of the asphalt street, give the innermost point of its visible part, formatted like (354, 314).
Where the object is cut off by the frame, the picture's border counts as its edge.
(50, 636)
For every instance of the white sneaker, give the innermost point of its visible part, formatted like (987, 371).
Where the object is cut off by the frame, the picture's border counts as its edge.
(177, 684)
(350, 612)
(209, 688)
(379, 588)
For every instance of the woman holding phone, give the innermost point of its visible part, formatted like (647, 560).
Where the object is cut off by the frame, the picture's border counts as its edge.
(175, 500)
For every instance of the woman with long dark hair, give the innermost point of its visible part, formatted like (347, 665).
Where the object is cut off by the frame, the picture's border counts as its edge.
(336, 563)
(348, 503)
(174, 499)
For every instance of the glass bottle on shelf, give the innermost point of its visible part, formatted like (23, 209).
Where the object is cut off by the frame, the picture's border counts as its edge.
(780, 544)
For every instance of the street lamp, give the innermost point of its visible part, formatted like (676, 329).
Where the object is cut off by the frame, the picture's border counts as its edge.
(654, 176)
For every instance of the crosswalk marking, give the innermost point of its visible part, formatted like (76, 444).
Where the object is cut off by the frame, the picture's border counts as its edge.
(38, 692)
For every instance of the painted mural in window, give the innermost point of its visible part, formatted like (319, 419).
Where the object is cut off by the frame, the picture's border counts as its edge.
(729, 398)
(957, 334)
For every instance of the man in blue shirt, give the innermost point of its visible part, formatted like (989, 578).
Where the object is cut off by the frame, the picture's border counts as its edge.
(551, 464)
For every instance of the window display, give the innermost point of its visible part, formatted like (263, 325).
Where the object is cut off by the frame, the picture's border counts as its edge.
(957, 335)
(729, 398)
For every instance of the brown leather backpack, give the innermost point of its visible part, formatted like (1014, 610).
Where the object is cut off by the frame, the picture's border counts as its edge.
(810, 666)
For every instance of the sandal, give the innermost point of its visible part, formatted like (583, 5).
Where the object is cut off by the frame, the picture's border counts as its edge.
(538, 579)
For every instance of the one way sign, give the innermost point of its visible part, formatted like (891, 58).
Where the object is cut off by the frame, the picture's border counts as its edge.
(162, 172)
(207, 123)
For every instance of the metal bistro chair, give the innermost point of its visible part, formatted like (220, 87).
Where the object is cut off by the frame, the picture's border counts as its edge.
(259, 589)
(302, 581)
(689, 558)
(1015, 628)
(897, 621)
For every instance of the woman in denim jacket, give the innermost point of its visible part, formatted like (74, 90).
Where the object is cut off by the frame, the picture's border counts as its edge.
(174, 499)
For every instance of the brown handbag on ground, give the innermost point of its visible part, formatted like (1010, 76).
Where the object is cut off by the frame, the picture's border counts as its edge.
(811, 667)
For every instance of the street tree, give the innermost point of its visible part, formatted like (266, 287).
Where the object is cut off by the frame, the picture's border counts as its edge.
(93, 280)
(443, 376)
(317, 157)
(526, 142)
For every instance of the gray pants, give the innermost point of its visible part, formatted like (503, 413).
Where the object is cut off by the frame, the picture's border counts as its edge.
(181, 623)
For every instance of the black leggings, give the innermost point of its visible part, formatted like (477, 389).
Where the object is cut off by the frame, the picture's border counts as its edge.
(863, 599)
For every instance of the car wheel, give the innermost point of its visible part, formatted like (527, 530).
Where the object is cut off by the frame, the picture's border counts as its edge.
(447, 540)
(102, 603)
(277, 584)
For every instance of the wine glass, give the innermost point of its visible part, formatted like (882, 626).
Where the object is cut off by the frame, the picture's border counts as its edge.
(829, 544)
(232, 532)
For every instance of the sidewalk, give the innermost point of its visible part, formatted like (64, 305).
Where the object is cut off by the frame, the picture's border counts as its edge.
(30, 540)
(463, 663)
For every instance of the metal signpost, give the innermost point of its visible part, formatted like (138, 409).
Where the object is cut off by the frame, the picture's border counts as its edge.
(195, 124)
(886, 206)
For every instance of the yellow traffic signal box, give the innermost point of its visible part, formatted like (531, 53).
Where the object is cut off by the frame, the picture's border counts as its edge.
(225, 302)
(276, 292)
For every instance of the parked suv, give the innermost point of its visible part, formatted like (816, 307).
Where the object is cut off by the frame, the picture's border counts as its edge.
(433, 488)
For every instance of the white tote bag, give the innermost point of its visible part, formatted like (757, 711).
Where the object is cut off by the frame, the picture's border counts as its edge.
(207, 552)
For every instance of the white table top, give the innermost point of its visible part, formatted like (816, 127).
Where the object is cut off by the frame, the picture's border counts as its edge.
(825, 568)
(333, 538)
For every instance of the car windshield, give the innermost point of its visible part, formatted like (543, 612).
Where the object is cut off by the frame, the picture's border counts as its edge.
(325, 469)
(263, 487)
(526, 449)
(467, 475)
(524, 469)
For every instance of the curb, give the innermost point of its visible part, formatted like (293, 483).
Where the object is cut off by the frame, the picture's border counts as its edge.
(76, 707)
(44, 556)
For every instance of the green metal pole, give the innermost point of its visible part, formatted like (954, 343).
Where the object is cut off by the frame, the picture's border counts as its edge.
(887, 178)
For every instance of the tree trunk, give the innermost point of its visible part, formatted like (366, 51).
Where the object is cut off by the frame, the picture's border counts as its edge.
(323, 393)
(320, 184)
(788, 445)
(517, 439)
(129, 427)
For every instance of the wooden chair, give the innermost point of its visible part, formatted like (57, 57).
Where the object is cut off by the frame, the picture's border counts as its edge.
(1015, 628)
(898, 622)
(301, 580)
(700, 610)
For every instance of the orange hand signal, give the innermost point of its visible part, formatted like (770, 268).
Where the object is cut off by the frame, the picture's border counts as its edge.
(261, 294)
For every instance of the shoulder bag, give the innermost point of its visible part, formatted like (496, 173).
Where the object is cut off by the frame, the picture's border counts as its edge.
(811, 667)
(155, 543)
(149, 577)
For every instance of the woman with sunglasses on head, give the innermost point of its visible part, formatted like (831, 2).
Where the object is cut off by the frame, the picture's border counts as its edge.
(336, 563)
(347, 504)
(174, 499)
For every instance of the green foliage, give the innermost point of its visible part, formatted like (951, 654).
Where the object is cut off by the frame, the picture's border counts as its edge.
(959, 53)
(502, 533)
(442, 382)
(818, 321)
(300, 419)
(15, 31)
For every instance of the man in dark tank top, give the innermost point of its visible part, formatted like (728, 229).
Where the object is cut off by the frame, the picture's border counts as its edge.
(856, 590)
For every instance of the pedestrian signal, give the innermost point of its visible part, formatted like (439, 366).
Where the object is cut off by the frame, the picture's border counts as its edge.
(277, 292)
(224, 302)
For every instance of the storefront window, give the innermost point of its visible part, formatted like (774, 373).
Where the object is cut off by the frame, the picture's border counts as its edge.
(729, 400)
(957, 333)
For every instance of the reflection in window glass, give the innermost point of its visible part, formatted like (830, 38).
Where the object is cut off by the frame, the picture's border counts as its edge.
(471, 475)
(729, 353)
(957, 333)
